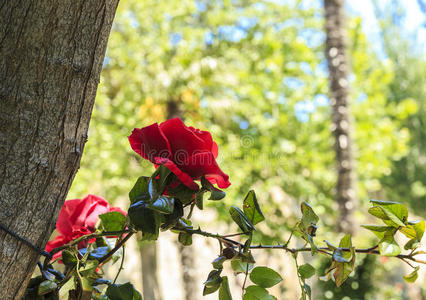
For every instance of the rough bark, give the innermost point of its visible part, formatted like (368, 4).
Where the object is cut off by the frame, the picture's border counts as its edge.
(151, 289)
(51, 54)
(335, 49)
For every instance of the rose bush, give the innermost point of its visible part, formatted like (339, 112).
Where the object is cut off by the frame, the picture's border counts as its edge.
(163, 201)
(78, 217)
(188, 152)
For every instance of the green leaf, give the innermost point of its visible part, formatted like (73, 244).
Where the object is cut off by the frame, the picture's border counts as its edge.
(346, 242)
(308, 238)
(199, 199)
(397, 209)
(218, 262)
(224, 291)
(153, 188)
(378, 212)
(307, 289)
(170, 220)
(252, 209)
(163, 204)
(99, 252)
(339, 256)
(255, 292)
(241, 219)
(113, 221)
(330, 245)
(213, 279)
(309, 217)
(66, 288)
(68, 258)
(412, 244)
(89, 268)
(163, 174)
(343, 261)
(414, 230)
(183, 193)
(396, 212)
(210, 290)
(185, 238)
(240, 266)
(306, 271)
(265, 277)
(412, 277)
(388, 246)
(145, 219)
(86, 284)
(215, 193)
(379, 231)
(46, 287)
(139, 192)
(124, 291)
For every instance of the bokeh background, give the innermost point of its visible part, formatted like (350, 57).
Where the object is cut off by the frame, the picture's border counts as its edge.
(255, 75)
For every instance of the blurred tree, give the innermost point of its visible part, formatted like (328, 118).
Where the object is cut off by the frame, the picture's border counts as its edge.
(407, 181)
(335, 49)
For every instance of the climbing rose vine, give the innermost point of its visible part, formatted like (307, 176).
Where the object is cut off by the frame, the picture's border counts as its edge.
(92, 233)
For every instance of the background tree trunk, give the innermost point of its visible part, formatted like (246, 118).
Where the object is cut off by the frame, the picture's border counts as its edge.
(335, 50)
(151, 288)
(51, 55)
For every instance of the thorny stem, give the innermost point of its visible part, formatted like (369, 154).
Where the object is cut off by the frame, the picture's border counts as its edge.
(83, 238)
(118, 246)
(87, 237)
(371, 250)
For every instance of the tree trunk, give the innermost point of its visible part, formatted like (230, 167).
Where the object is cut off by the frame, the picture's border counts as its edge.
(335, 49)
(151, 289)
(51, 55)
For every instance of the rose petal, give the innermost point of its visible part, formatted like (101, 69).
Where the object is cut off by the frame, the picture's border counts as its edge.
(183, 141)
(149, 142)
(98, 206)
(67, 216)
(209, 144)
(119, 210)
(204, 164)
(58, 241)
(183, 177)
(215, 150)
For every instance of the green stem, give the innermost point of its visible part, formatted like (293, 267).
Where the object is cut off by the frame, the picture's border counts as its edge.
(118, 246)
(371, 250)
(121, 264)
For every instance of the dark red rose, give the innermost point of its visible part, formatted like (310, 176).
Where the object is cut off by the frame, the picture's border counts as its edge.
(78, 217)
(188, 152)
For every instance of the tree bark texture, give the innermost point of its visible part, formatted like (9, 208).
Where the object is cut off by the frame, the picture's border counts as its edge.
(335, 50)
(51, 54)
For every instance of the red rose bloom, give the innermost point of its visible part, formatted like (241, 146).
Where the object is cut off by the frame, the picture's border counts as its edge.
(188, 152)
(78, 217)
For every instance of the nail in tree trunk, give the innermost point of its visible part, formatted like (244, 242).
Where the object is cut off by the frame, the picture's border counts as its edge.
(335, 50)
(51, 55)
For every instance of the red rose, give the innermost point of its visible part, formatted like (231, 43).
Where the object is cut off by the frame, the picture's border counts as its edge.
(78, 217)
(188, 152)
